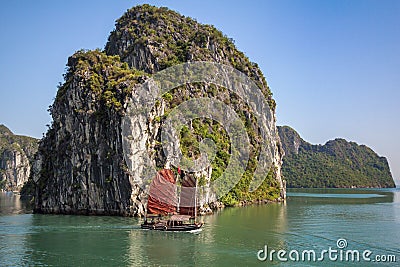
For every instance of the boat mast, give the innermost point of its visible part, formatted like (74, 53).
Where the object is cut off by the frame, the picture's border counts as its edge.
(179, 195)
(145, 210)
(195, 202)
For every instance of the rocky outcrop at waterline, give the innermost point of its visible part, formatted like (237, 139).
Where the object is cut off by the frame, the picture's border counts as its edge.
(80, 167)
(16, 153)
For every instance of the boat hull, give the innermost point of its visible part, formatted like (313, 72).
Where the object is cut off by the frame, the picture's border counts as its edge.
(175, 228)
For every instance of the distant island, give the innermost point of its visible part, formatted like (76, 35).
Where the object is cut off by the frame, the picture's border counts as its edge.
(16, 155)
(336, 164)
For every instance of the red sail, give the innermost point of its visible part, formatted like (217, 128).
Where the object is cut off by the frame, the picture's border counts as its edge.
(162, 195)
(187, 199)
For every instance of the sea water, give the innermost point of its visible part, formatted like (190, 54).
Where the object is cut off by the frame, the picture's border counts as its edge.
(348, 221)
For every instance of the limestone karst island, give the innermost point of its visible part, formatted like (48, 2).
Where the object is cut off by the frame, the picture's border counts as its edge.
(79, 168)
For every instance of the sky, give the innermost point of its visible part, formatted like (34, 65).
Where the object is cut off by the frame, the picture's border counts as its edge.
(333, 65)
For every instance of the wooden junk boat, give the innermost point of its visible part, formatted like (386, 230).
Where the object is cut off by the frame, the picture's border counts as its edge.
(165, 211)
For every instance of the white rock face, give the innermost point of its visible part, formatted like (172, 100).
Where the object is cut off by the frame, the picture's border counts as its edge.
(15, 169)
(15, 155)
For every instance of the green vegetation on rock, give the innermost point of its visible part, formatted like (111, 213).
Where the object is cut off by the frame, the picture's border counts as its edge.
(106, 77)
(10, 141)
(337, 164)
(200, 129)
(171, 39)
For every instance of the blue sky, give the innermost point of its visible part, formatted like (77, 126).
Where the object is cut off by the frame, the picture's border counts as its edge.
(333, 66)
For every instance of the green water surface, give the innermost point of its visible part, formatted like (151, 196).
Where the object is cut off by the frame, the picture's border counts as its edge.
(310, 219)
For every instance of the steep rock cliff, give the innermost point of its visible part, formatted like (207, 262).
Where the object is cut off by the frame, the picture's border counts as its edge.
(80, 167)
(170, 39)
(16, 153)
(337, 163)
